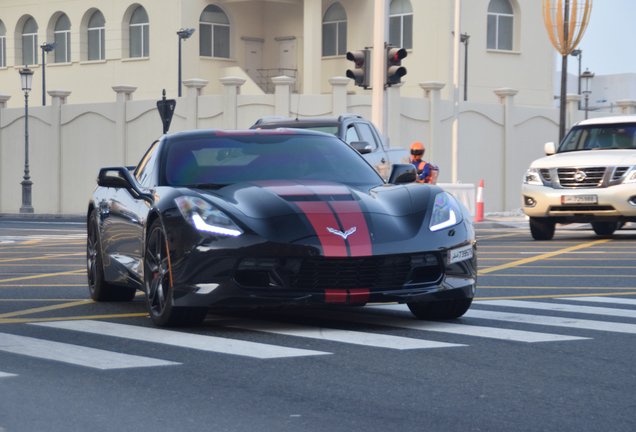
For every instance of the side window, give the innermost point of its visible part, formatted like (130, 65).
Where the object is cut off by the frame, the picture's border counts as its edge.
(144, 169)
(351, 135)
(367, 135)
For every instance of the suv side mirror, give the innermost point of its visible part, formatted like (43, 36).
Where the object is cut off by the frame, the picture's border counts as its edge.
(549, 148)
(363, 147)
(402, 173)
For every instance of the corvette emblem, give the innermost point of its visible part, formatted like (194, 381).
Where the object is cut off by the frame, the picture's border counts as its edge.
(345, 234)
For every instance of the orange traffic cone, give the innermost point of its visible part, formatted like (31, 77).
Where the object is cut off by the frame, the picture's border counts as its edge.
(480, 202)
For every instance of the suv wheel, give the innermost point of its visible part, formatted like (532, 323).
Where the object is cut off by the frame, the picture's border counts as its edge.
(604, 228)
(542, 228)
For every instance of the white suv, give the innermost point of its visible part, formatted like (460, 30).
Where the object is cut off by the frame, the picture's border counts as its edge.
(590, 178)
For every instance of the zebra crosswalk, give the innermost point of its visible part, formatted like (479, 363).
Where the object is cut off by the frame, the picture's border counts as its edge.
(533, 322)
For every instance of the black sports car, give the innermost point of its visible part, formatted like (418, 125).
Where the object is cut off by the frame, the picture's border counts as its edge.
(284, 217)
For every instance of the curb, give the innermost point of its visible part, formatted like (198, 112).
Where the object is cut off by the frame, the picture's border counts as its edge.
(67, 216)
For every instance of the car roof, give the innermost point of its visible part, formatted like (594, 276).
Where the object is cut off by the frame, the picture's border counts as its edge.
(609, 120)
(202, 133)
(317, 120)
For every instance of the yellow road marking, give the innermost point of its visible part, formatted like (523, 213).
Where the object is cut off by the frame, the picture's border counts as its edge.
(579, 267)
(555, 288)
(42, 285)
(45, 308)
(558, 275)
(497, 236)
(554, 296)
(543, 256)
(26, 320)
(32, 242)
(76, 256)
(42, 300)
(69, 273)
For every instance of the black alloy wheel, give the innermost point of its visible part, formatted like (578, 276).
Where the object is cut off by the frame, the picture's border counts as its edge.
(158, 286)
(440, 309)
(101, 290)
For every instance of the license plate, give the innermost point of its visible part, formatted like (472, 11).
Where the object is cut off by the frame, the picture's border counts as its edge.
(579, 199)
(459, 254)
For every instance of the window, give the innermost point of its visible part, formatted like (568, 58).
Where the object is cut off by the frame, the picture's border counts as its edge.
(63, 40)
(139, 33)
(96, 33)
(367, 135)
(500, 25)
(334, 31)
(401, 24)
(214, 33)
(30, 42)
(3, 45)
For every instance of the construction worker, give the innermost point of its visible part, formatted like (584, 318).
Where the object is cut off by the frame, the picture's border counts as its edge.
(426, 172)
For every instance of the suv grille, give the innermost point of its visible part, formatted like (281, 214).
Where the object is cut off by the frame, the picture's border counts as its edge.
(619, 172)
(590, 177)
(545, 175)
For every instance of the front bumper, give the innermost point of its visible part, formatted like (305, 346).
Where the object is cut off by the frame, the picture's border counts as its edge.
(615, 204)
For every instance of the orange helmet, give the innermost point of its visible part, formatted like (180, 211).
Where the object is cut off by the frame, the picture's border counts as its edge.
(417, 149)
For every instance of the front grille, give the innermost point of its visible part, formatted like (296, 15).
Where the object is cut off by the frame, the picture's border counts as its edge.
(619, 172)
(581, 177)
(374, 273)
(545, 175)
(579, 209)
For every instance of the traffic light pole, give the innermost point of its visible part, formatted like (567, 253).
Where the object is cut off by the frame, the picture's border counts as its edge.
(378, 98)
(456, 56)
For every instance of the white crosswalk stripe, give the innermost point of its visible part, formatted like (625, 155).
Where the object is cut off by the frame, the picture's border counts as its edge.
(74, 354)
(181, 339)
(336, 335)
(6, 375)
(609, 300)
(625, 313)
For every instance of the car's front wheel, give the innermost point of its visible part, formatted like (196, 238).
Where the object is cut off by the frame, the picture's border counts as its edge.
(542, 228)
(101, 290)
(158, 285)
(441, 309)
(604, 228)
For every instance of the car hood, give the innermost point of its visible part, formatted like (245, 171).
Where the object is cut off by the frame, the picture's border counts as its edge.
(587, 158)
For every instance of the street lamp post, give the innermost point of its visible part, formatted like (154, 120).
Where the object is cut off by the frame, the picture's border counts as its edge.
(26, 78)
(464, 39)
(579, 54)
(587, 77)
(46, 47)
(183, 34)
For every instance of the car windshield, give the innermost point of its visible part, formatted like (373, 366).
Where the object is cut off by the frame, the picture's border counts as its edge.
(222, 160)
(600, 137)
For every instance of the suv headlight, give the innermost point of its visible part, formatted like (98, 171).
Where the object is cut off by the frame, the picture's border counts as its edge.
(533, 177)
(630, 178)
(203, 216)
(446, 212)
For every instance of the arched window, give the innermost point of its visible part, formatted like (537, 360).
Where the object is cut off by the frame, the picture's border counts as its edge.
(30, 42)
(401, 24)
(214, 33)
(3, 45)
(139, 33)
(96, 37)
(334, 31)
(500, 25)
(63, 39)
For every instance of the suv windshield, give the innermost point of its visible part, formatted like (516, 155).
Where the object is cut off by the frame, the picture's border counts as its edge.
(222, 160)
(600, 137)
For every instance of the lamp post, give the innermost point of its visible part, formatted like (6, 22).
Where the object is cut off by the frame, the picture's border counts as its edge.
(26, 78)
(183, 34)
(46, 47)
(579, 54)
(587, 77)
(464, 39)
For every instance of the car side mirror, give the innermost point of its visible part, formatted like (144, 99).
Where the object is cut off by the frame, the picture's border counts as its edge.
(402, 173)
(120, 177)
(363, 147)
(549, 148)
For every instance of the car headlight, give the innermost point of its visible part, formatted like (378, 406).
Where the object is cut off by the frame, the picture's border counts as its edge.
(533, 177)
(630, 177)
(446, 212)
(204, 217)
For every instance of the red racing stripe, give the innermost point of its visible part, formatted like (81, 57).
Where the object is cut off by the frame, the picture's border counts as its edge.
(320, 216)
(335, 296)
(351, 215)
(359, 296)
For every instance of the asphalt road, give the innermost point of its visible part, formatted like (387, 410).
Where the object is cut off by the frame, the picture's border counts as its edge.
(547, 346)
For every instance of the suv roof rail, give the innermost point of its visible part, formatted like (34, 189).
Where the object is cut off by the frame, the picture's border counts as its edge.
(348, 115)
(267, 119)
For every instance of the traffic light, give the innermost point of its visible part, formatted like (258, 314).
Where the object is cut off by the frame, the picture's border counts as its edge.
(394, 69)
(362, 72)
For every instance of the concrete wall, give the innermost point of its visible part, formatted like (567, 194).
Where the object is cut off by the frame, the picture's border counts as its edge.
(68, 144)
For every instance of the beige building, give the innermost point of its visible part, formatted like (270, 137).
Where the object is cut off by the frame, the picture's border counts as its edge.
(104, 43)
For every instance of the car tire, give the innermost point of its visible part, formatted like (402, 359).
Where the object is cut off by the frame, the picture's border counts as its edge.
(441, 309)
(158, 286)
(542, 228)
(99, 289)
(604, 228)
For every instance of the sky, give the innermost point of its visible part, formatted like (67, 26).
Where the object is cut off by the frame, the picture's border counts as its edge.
(608, 41)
